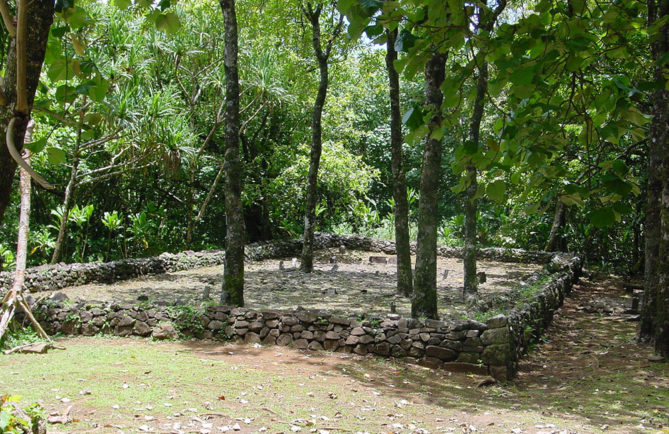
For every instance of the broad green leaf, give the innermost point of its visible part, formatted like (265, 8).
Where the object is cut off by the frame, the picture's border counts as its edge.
(633, 115)
(65, 94)
(168, 23)
(77, 18)
(36, 146)
(522, 76)
(123, 4)
(60, 69)
(413, 118)
(602, 217)
(99, 91)
(496, 191)
(93, 118)
(56, 155)
(571, 199)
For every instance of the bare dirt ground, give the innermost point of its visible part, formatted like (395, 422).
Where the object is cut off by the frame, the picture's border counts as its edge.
(355, 286)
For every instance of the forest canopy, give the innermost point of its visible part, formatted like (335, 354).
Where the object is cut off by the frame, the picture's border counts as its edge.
(539, 125)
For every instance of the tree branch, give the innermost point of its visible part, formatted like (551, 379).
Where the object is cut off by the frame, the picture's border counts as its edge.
(7, 18)
(111, 174)
(11, 147)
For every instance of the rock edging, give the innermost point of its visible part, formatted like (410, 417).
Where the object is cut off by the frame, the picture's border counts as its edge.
(54, 277)
(496, 344)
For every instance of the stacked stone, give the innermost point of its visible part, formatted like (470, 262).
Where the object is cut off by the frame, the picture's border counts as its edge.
(499, 343)
(54, 277)
(120, 320)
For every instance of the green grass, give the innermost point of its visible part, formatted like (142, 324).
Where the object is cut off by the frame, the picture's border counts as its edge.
(275, 387)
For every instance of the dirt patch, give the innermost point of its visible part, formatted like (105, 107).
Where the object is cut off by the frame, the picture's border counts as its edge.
(349, 285)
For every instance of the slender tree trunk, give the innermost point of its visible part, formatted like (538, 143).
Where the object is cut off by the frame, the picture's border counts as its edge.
(424, 300)
(69, 196)
(189, 204)
(471, 203)
(40, 13)
(554, 242)
(651, 302)
(402, 245)
(314, 163)
(14, 297)
(233, 273)
(659, 143)
(471, 284)
(316, 134)
(67, 207)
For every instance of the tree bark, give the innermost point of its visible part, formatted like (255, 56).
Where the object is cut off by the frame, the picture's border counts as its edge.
(424, 300)
(652, 302)
(471, 203)
(659, 145)
(554, 242)
(69, 195)
(40, 13)
(471, 284)
(322, 56)
(14, 298)
(402, 242)
(233, 273)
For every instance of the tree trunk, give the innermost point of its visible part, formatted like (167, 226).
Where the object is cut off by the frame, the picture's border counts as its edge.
(40, 13)
(402, 246)
(424, 300)
(471, 284)
(69, 195)
(651, 302)
(555, 237)
(14, 298)
(316, 140)
(233, 273)
(471, 203)
(659, 142)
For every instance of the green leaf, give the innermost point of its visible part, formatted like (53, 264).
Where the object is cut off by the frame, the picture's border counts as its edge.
(602, 217)
(571, 199)
(522, 76)
(123, 4)
(496, 191)
(60, 70)
(168, 23)
(77, 18)
(413, 118)
(56, 155)
(36, 146)
(65, 94)
(99, 91)
(93, 118)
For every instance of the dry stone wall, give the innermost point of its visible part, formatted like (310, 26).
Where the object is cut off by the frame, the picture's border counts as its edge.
(496, 344)
(53, 277)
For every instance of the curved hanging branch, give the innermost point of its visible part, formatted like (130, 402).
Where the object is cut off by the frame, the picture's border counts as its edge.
(7, 18)
(19, 160)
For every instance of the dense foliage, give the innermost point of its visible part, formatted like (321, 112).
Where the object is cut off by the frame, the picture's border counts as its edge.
(131, 112)
(534, 125)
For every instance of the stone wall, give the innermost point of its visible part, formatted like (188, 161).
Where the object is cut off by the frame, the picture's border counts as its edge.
(53, 277)
(496, 344)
